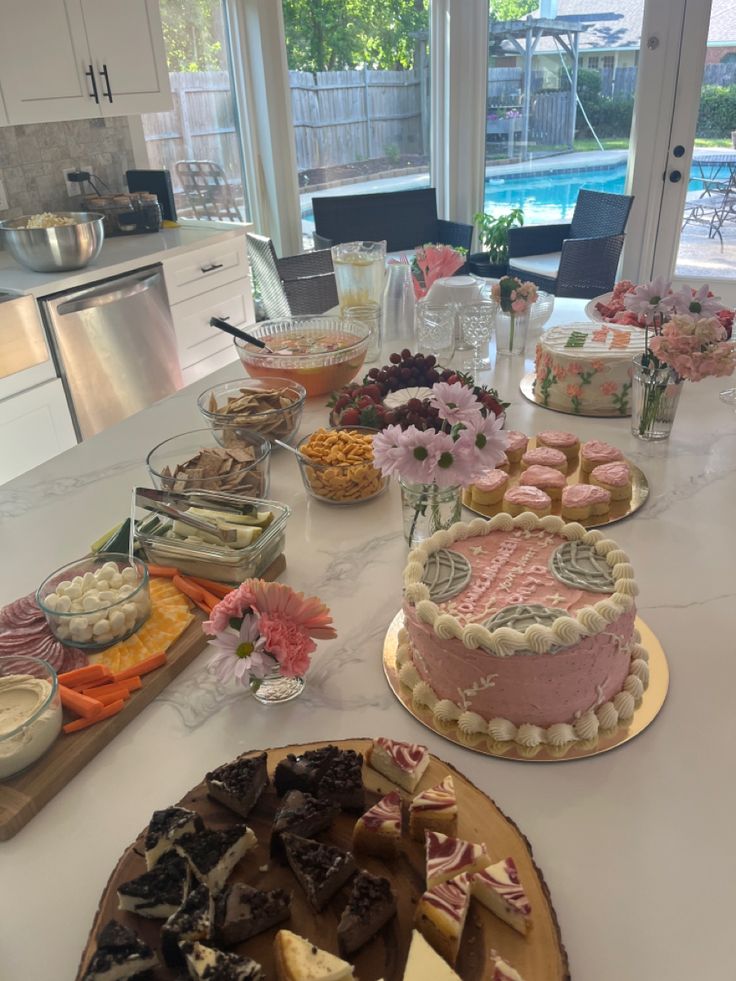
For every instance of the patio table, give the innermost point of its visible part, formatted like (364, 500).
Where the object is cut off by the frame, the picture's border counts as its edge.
(716, 202)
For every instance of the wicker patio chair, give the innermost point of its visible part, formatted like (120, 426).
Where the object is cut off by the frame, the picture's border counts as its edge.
(405, 219)
(296, 284)
(577, 259)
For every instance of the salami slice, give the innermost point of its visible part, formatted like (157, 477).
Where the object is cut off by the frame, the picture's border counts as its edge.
(73, 659)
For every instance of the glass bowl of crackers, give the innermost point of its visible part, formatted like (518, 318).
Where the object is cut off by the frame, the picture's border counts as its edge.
(271, 407)
(232, 461)
(337, 465)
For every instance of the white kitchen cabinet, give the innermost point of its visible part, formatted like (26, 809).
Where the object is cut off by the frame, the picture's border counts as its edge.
(34, 426)
(126, 45)
(75, 59)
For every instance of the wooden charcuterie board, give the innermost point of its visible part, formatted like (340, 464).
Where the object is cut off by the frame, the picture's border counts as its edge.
(539, 957)
(23, 796)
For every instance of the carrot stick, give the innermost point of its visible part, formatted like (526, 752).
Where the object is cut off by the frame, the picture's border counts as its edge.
(85, 676)
(196, 593)
(132, 684)
(218, 588)
(83, 705)
(142, 667)
(104, 713)
(119, 690)
(165, 571)
(122, 694)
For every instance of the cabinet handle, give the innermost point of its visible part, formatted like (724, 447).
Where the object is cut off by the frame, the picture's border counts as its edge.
(211, 268)
(103, 73)
(223, 318)
(91, 75)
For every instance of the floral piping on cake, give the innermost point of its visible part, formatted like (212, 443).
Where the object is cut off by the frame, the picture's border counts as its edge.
(585, 727)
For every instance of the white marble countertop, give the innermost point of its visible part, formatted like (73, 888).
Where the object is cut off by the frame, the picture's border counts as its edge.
(612, 834)
(118, 255)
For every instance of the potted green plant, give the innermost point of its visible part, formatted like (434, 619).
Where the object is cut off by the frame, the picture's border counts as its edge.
(493, 236)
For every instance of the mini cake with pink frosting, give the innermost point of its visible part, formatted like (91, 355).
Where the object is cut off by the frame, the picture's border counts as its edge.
(516, 444)
(522, 629)
(594, 453)
(545, 456)
(551, 481)
(583, 501)
(568, 443)
(615, 478)
(489, 488)
(518, 499)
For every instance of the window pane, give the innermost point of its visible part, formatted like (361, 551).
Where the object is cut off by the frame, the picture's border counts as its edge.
(359, 75)
(199, 140)
(542, 143)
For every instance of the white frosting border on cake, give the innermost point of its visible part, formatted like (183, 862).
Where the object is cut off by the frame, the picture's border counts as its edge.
(506, 641)
(586, 726)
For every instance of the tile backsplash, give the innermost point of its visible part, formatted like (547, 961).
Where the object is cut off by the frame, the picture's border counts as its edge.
(34, 156)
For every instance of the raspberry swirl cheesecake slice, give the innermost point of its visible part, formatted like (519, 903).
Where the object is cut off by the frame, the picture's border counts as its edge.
(378, 831)
(449, 857)
(499, 889)
(441, 914)
(434, 809)
(403, 763)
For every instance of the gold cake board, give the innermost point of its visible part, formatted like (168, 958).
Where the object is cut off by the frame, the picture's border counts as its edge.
(526, 387)
(646, 712)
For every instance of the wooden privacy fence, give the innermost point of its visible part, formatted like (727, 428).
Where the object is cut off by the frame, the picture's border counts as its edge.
(348, 116)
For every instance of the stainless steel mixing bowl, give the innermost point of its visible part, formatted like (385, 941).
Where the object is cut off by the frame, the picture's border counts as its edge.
(57, 248)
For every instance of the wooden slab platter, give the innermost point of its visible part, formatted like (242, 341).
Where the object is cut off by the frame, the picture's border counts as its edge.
(539, 957)
(23, 796)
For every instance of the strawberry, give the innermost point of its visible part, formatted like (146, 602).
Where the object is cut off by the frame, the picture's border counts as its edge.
(350, 417)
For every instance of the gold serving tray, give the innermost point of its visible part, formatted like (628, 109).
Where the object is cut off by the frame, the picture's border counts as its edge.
(617, 512)
(647, 711)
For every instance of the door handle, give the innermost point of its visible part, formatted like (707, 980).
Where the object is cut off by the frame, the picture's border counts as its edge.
(675, 176)
(211, 268)
(90, 73)
(104, 74)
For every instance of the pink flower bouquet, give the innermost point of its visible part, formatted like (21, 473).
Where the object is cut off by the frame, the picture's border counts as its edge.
(433, 262)
(262, 628)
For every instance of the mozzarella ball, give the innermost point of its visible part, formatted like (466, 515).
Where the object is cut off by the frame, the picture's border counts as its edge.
(51, 601)
(101, 627)
(90, 601)
(107, 596)
(117, 622)
(62, 587)
(75, 590)
(129, 575)
(115, 581)
(64, 604)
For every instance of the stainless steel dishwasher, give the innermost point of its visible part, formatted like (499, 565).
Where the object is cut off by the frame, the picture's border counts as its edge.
(115, 347)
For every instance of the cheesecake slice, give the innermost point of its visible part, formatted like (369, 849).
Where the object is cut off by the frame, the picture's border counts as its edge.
(404, 763)
(120, 954)
(239, 784)
(378, 831)
(371, 905)
(502, 970)
(165, 827)
(298, 959)
(425, 964)
(342, 781)
(448, 857)
(240, 912)
(303, 815)
(158, 893)
(190, 922)
(320, 869)
(441, 914)
(434, 809)
(213, 855)
(500, 890)
(303, 772)
(207, 964)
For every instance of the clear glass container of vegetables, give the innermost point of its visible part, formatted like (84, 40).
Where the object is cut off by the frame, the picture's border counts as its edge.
(260, 533)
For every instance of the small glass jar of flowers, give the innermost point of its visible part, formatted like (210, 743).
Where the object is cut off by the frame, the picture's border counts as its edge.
(263, 638)
(685, 340)
(434, 466)
(514, 298)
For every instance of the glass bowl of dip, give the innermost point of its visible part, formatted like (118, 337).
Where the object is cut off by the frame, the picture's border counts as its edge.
(30, 712)
(320, 353)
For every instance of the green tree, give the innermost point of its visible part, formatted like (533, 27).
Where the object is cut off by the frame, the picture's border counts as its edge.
(332, 35)
(193, 33)
(512, 9)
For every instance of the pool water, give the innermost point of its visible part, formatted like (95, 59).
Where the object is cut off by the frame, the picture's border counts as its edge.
(549, 198)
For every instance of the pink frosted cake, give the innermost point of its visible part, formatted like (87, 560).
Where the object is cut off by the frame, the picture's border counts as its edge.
(522, 629)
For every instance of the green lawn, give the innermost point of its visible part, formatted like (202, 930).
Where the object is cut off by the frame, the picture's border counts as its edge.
(622, 143)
